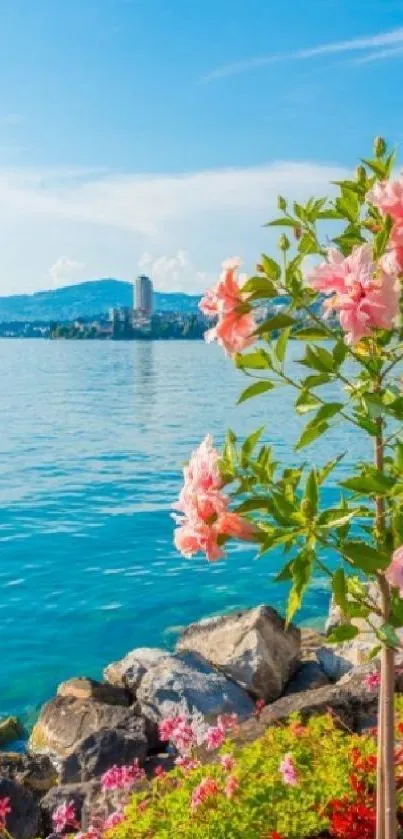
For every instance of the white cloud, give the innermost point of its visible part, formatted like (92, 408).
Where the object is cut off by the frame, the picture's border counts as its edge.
(383, 39)
(186, 224)
(64, 271)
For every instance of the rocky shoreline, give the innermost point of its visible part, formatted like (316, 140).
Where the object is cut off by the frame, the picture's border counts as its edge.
(220, 666)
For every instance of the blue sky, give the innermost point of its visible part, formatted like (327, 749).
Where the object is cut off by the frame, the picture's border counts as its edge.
(155, 134)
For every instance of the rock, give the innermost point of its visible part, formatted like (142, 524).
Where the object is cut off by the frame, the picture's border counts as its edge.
(64, 722)
(96, 753)
(76, 793)
(308, 676)
(310, 641)
(337, 618)
(251, 647)
(338, 659)
(10, 729)
(129, 671)
(186, 683)
(23, 821)
(82, 688)
(36, 773)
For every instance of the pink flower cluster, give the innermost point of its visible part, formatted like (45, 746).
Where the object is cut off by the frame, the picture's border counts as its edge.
(288, 771)
(114, 820)
(122, 777)
(5, 810)
(208, 788)
(388, 197)
(178, 731)
(372, 681)
(235, 328)
(394, 573)
(204, 507)
(365, 298)
(64, 817)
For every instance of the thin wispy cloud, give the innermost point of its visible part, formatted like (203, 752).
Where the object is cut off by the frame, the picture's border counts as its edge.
(380, 55)
(385, 39)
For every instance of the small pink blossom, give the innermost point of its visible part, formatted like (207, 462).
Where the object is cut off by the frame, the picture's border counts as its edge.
(64, 816)
(215, 737)
(208, 788)
(122, 777)
(394, 572)
(364, 299)
(160, 772)
(227, 762)
(231, 787)
(114, 820)
(228, 722)
(372, 681)
(235, 328)
(167, 726)
(288, 771)
(259, 705)
(5, 810)
(179, 731)
(187, 764)
(232, 524)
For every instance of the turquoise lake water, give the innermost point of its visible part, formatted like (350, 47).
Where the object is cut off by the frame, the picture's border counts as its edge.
(93, 437)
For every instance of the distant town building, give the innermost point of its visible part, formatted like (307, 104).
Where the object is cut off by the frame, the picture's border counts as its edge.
(144, 296)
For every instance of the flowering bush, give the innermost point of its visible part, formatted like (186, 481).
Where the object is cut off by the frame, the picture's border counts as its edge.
(296, 781)
(346, 310)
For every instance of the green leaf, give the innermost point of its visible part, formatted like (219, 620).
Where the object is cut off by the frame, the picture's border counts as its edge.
(327, 411)
(259, 287)
(311, 492)
(285, 573)
(308, 244)
(281, 222)
(339, 588)
(342, 633)
(339, 352)
(301, 573)
(336, 517)
(271, 267)
(257, 360)
(279, 321)
(316, 380)
(377, 166)
(376, 484)
(306, 402)
(325, 471)
(311, 433)
(311, 333)
(319, 359)
(388, 635)
(365, 557)
(254, 390)
(281, 345)
(250, 443)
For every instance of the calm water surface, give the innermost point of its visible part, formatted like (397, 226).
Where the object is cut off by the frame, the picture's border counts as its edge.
(93, 437)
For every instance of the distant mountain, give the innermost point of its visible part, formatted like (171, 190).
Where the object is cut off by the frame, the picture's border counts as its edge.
(85, 300)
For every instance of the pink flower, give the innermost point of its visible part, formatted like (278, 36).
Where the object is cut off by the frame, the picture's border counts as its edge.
(5, 809)
(394, 572)
(388, 197)
(160, 772)
(64, 816)
(203, 506)
(231, 787)
(372, 681)
(228, 722)
(363, 299)
(259, 705)
(167, 727)
(122, 777)
(215, 737)
(208, 788)
(235, 328)
(114, 820)
(178, 731)
(288, 771)
(187, 764)
(227, 762)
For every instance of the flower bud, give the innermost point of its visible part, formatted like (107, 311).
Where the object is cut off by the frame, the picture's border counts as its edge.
(361, 174)
(379, 146)
(281, 203)
(284, 243)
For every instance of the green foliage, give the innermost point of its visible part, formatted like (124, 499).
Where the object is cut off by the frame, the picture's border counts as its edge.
(263, 803)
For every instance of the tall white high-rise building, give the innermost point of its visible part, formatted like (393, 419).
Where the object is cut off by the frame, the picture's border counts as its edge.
(143, 295)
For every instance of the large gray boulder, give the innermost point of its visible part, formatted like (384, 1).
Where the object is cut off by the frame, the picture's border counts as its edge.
(65, 721)
(252, 647)
(23, 821)
(186, 683)
(130, 670)
(108, 747)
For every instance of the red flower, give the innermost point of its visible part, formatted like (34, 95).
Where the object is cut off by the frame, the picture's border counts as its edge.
(353, 820)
